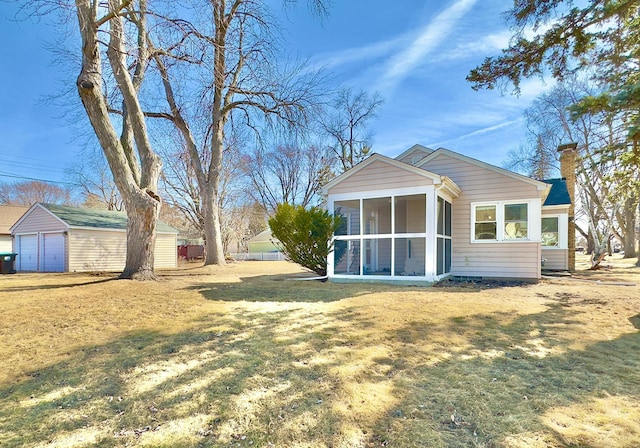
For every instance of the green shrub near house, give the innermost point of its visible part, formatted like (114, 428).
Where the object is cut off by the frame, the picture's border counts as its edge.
(305, 235)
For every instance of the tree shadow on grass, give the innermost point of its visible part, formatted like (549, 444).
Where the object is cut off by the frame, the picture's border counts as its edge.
(516, 381)
(286, 288)
(323, 379)
(233, 380)
(38, 287)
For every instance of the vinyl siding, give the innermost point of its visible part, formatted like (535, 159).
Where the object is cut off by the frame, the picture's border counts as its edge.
(6, 243)
(505, 260)
(95, 250)
(555, 259)
(380, 176)
(166, 256)
(39, 220)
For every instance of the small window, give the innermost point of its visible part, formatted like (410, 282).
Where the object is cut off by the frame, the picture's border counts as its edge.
(486, 223)
(515, 221)
(550, 232)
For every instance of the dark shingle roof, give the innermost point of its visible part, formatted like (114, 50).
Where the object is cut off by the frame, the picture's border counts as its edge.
(559, 195)
(102, 219)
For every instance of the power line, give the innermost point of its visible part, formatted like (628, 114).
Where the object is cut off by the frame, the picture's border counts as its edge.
(21, 158)
(32, 166)
(3, 174)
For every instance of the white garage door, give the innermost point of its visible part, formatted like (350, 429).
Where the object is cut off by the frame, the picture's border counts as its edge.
(53, 252)
(27, 250)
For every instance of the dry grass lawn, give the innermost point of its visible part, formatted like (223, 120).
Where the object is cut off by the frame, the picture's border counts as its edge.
(245, 356)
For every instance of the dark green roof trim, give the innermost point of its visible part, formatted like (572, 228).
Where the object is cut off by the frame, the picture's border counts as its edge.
(99, 219)
(559, 195)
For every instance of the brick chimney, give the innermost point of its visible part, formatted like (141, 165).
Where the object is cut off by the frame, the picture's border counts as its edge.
(568, 172)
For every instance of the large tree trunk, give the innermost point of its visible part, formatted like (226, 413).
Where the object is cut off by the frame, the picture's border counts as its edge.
(629, 228)
(211, 195)
(591, 244)
(219, 116)
(214, 253)
(137, 187)
(142, 213)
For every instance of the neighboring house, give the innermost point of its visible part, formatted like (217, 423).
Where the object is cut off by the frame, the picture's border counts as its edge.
(262, 242)
(427, 215)
(9, 214)
(56, 238)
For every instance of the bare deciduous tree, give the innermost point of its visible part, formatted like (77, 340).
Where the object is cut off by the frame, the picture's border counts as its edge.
(287, 174)
(180, 188)
(232, 46)
(237, 60)
(134, 164)
(606, 203)
(241, 223)
(347, 125)
(29, 192)
(91, 175)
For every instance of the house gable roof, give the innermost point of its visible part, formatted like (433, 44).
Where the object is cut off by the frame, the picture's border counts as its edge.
(9, 215)
(559, 194)
(414, 149)
(262, 237)
(76, 217)
(541, 186)
(436, 178)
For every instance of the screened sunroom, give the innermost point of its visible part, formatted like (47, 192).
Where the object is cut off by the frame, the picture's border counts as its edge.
(395, 234)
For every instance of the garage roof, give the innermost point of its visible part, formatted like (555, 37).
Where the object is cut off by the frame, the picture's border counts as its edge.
(102, 219)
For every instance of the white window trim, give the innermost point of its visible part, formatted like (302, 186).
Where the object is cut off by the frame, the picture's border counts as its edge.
(534, 222)
(563, 231)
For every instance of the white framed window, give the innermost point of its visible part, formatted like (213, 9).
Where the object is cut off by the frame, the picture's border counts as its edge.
(554, 231)
(503, 221)
(485, 222)
(516, 221)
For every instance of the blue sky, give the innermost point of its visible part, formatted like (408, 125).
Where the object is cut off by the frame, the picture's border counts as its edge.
(416, 56)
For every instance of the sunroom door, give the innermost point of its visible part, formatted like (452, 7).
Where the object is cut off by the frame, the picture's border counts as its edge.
(443, 238)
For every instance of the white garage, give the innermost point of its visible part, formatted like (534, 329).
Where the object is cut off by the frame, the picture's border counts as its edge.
(56, 238)
(27, 246)
(53, 251)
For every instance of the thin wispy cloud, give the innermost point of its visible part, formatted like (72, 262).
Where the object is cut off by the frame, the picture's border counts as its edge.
(427, 40)
(358, 54)
(487, 45)
(477, 132)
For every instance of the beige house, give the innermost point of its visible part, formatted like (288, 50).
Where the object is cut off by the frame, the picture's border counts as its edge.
(429, 214)
(262, 242)
(56, 238)
(9, 214)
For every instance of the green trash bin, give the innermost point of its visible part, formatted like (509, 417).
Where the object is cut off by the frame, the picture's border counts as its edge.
(7, 261)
